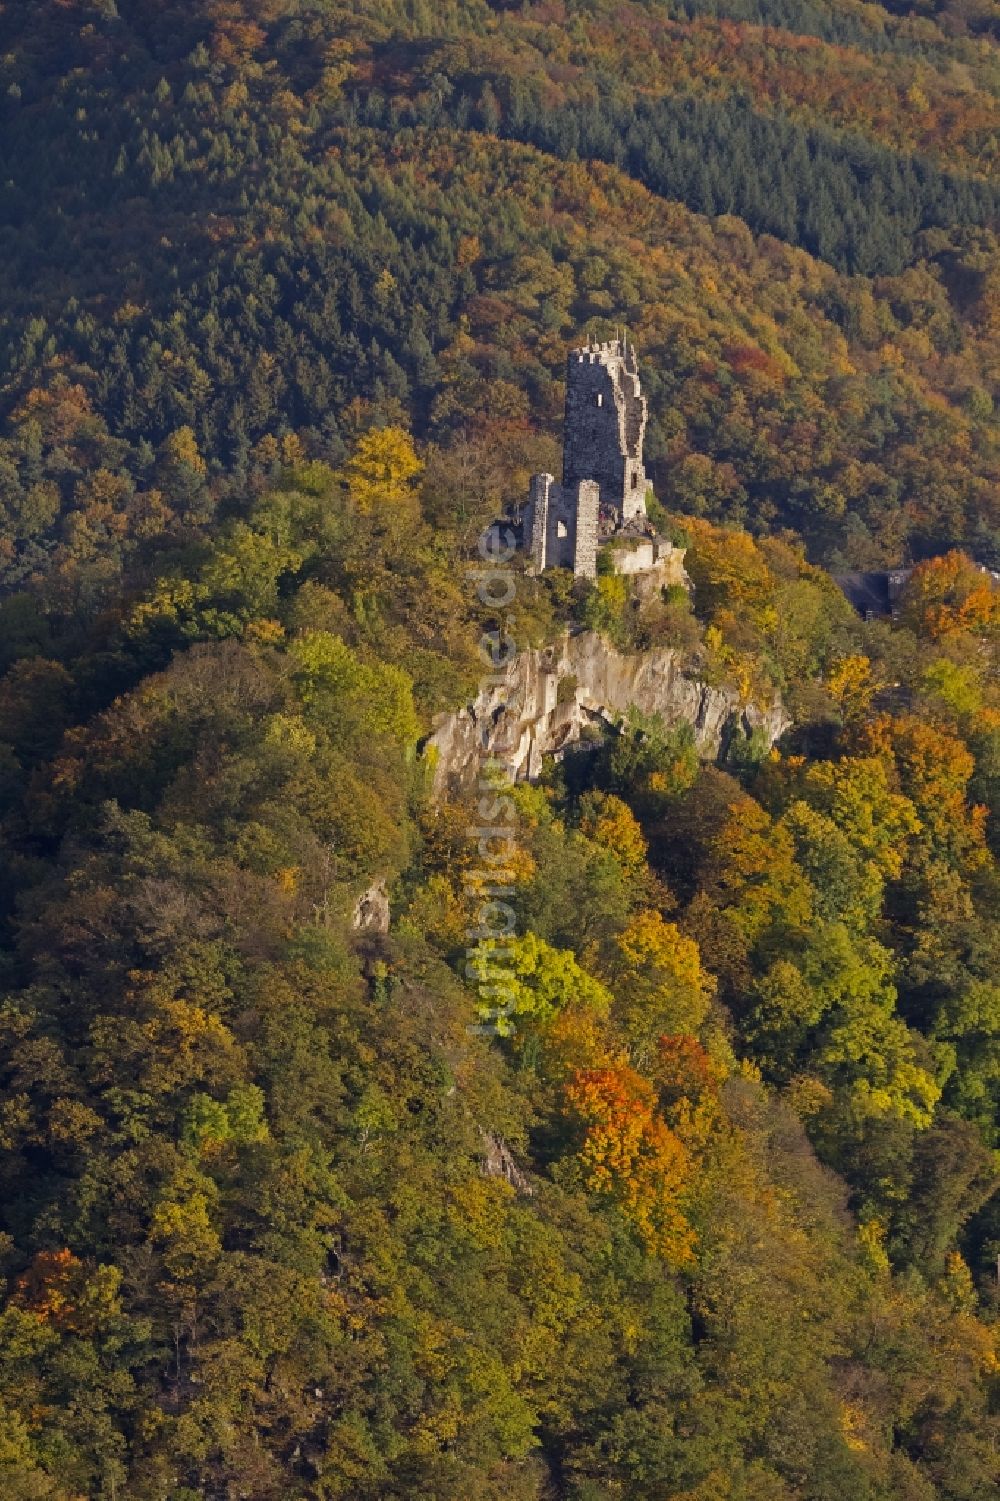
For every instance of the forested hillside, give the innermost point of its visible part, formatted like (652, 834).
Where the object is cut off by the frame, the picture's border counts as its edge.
(713, 1214)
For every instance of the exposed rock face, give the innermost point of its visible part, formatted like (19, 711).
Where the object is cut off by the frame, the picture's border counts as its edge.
(372, 914)
(545, 699)
(498, 1162)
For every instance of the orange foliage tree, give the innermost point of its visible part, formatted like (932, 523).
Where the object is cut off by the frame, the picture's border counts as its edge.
(629, 1156)
(949, 595)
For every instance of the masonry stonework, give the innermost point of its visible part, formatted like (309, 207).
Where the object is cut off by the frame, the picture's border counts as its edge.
(605, 426)
(603, 489)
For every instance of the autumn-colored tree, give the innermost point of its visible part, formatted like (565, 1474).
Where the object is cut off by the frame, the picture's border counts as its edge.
(51, 1287)
(380, 474)
(851, 687)
(935, 768)
(660, 985)
(629, 1156)
(858, 794)
(950, 595)
(611, 823)
(688, 1082)
(728, 569)
(753, 872)
(536, 980)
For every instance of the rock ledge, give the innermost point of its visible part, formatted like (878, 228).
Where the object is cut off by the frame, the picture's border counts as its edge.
(545, 699)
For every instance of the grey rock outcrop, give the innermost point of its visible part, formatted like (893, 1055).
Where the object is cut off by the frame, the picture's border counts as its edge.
(498, 1162)
(545, 700)
(372, 913)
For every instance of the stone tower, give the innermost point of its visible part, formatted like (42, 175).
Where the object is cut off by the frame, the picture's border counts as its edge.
(605, 426)
(603, 486)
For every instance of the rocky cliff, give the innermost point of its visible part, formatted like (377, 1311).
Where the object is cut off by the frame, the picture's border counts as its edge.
(544, 700)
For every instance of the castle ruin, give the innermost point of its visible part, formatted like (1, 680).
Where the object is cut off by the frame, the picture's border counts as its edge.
(603, 489)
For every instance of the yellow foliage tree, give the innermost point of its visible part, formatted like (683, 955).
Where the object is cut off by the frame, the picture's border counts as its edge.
(661, 986)
(610, 822)
(381, 472)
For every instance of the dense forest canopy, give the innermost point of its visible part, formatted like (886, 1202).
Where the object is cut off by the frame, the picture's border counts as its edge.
(714, 1214)
(246, 225)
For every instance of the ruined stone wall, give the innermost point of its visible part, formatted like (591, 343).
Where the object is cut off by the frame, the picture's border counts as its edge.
(638, 558)
(536, 520)
(605, 425)
(634, 494)
(561, 526)
(587, 510)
